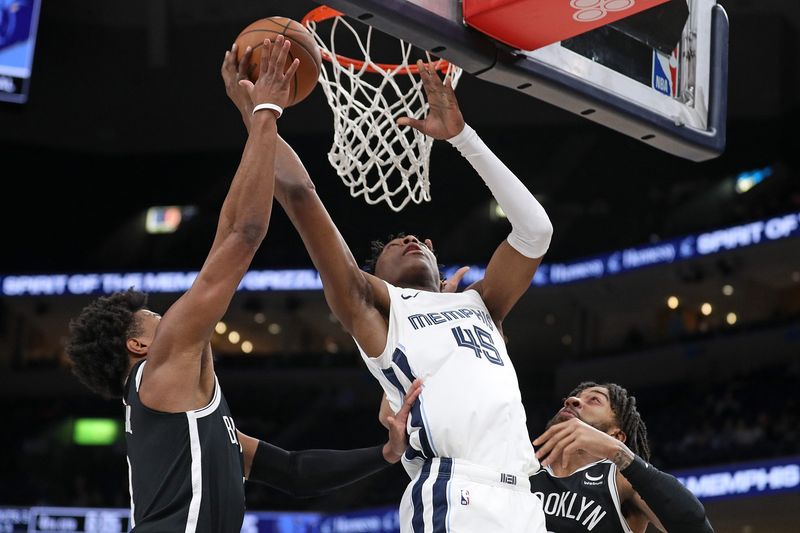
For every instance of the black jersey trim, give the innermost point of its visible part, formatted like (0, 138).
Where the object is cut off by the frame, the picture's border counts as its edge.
(212, 405)
(206, 410)
(581, 469)
(612, 488)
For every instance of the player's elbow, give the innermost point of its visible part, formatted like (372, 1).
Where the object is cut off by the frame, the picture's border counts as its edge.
(296, 191)
(251, 233)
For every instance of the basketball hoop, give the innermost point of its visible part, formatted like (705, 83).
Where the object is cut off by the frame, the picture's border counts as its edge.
(375, 157)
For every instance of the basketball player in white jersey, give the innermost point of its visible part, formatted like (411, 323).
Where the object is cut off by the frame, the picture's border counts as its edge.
(595, 475)
(470, 455)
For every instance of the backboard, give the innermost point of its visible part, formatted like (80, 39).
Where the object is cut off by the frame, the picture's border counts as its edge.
(610, 75)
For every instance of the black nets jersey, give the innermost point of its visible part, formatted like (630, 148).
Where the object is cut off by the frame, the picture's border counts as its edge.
(587, 500)
(186, 469)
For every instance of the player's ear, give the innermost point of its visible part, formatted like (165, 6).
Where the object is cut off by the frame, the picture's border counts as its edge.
(619, 435)
(429, 244)
(136, 347)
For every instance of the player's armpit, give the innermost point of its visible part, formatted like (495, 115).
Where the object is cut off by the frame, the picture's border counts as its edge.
(508, 276)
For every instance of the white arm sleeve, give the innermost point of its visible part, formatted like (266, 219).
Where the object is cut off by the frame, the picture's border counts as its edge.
(531, 229)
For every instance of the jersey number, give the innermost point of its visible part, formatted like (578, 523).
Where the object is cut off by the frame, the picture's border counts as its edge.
(479, 341)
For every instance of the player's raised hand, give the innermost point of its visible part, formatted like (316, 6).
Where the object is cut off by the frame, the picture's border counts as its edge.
(451, 284)
(575, 437)
(234, 71)
(273, 84)
(444, 118)
(396, 424)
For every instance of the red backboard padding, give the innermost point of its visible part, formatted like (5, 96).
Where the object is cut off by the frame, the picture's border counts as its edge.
(532, 24)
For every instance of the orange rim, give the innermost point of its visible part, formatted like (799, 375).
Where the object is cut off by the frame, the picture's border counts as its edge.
(323, 13)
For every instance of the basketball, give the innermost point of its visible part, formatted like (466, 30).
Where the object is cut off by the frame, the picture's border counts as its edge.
(303, 47)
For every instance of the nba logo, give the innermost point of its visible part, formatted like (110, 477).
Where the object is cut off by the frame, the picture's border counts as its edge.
(665, 73)
(464, 497)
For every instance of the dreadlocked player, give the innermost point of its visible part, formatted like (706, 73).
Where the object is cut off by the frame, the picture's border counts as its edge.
(595, 476)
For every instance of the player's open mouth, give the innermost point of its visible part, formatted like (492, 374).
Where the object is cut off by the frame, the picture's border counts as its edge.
(411, 248)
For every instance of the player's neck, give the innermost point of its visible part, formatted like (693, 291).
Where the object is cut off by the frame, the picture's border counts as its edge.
(419, 286)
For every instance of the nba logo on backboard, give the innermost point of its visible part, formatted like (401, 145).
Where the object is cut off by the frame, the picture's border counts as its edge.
(665, 73)
(464, 497)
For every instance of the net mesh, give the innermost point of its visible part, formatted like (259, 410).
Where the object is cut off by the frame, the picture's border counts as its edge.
(374, 156)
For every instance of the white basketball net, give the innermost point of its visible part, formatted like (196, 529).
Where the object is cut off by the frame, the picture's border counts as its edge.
(375, 157)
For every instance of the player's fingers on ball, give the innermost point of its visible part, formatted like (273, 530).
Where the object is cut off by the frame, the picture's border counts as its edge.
(277, 49)
(291, 70)
(244, 65)
(265, 55)
(283, 53)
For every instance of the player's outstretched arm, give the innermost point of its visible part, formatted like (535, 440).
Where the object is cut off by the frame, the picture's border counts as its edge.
(313, 472)
(355, 297)
(172, 380)
(514, 263)
(359, 300)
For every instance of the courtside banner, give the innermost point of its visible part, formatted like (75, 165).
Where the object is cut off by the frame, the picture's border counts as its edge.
(306, 279)
(748, 479)
(532, 24)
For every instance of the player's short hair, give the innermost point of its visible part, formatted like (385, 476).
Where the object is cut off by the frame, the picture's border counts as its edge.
(628, 418)
(97, 341)
(377, 246)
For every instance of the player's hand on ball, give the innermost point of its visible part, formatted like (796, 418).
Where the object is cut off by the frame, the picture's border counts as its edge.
(232, 72)
(444, 118)
(273, 84)
(398, 437)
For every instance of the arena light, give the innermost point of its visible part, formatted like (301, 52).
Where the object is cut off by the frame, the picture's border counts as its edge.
(731, 318)
(727, 290)
(247, 347)
(706, 309)
(95, 431)
(495, 211)
(673, 302)
(234, 337)
(221, 327)
(747, 180)
(165, 219)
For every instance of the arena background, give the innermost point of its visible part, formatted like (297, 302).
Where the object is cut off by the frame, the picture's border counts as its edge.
(127, 110)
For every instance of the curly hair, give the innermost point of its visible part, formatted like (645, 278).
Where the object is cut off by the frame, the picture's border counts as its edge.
(97, 337)
(376, 248)
(630, 421)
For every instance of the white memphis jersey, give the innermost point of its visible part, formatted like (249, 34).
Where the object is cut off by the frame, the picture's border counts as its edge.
(470, 407)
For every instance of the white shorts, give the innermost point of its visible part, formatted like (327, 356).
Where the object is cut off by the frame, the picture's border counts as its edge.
(453, 496)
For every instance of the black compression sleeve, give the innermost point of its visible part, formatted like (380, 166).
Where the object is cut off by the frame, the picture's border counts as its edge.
(674, 505)
(313, 472)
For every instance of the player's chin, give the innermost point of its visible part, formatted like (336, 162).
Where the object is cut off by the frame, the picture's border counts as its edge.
(556, 420)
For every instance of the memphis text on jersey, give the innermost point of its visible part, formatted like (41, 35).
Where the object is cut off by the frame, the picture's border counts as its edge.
(423, 320)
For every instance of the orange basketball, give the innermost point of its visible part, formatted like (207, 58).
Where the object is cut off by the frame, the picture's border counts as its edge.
(303, 47)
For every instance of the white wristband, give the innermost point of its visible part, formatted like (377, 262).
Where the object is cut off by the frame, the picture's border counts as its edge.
(274, 107)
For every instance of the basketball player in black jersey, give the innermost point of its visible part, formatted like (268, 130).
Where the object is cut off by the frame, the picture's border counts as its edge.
(187, 461)
(594, 474)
